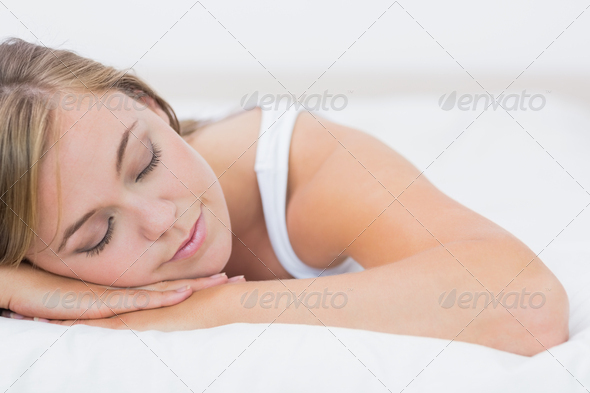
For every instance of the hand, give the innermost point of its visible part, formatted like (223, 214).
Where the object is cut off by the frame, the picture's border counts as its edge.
(199, 311)
(34, 294)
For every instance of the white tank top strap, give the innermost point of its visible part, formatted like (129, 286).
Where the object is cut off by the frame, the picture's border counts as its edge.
(272, 166)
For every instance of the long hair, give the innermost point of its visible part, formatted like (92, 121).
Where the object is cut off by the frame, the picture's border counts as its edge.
(30, 77)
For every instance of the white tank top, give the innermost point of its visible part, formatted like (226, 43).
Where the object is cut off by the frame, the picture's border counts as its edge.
(271, 166)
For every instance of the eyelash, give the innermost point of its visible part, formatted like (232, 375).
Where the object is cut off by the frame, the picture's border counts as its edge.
(100, 246)
(153, 163)
(108, 236)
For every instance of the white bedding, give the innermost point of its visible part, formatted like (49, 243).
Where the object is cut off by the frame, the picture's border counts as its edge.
(495, 168)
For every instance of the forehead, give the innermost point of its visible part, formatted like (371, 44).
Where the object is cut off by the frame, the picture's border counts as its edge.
(84, 148)
(81, 116)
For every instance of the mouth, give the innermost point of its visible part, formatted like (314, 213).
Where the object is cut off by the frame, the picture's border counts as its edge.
(193, 243)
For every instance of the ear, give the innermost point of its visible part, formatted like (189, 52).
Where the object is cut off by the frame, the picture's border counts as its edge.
(153, 105)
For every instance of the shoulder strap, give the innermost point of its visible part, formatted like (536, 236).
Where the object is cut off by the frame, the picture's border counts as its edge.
(271, 166)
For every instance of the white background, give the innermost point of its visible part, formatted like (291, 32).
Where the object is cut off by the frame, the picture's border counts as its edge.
(221, 49)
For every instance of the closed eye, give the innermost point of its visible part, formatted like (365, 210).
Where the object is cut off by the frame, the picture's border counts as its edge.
(156, 154)
(105, 240)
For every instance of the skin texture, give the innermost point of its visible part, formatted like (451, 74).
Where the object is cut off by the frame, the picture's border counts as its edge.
(151, 218)
(400, 298)
(25, 291)
(415, 242)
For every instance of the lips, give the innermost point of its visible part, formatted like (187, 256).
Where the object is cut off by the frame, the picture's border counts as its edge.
(194, 241)
(190, 237)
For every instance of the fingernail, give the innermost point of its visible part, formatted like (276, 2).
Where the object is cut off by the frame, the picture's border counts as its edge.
(183, 289)
(222, 274)
(16, 316)
(235, 278)
(40, 319)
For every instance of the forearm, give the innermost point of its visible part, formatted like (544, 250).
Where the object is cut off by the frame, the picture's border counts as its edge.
(401, 298)
(30, 292)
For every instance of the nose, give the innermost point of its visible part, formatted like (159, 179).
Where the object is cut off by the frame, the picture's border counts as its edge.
(155, 216)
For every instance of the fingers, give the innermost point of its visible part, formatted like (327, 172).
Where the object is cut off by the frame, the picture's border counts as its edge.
(109, 323)
(124, 301)
(236, 279)
(13, 315)
(196, 284)
(95, 302)
(136, 309)
(103, 304)
(109, 303)
(169, 298)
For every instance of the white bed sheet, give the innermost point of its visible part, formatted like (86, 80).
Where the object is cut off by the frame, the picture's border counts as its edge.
(495, 168)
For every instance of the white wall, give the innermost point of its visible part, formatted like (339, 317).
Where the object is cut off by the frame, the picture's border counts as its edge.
(491, 43)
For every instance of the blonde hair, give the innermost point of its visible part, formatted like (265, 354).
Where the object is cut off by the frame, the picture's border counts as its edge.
(30, 76)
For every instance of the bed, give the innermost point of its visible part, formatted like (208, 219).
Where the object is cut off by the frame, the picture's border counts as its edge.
(528, 171)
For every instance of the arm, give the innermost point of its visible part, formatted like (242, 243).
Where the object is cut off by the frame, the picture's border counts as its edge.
(417, 244)
(384, 299)
(30, 292)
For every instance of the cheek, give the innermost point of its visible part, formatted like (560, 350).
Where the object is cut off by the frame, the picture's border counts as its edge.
(117, 274)
(126, 270)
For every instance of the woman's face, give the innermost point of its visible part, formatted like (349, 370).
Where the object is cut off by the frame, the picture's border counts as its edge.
(144, 208)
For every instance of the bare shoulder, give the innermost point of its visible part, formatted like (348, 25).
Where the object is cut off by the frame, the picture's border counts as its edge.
(333, 187)
(318, 142)
(353, 194)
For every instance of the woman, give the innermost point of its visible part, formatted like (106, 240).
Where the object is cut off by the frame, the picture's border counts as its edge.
(328, 225)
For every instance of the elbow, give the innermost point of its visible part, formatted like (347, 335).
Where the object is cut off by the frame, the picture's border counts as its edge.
(527, 330)
(549, 324)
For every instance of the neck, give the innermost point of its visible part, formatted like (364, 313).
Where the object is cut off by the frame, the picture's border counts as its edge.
(227, 147)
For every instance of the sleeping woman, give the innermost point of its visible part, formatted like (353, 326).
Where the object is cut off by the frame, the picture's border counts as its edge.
(315, 222)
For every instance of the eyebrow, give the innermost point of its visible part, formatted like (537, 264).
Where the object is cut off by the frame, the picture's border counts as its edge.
(120, 155)
(122, 146)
